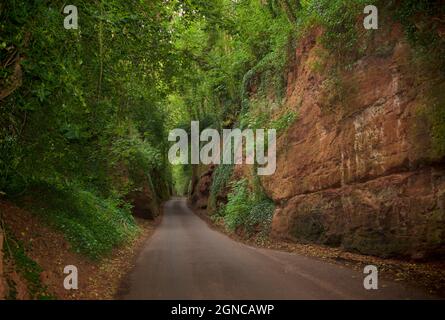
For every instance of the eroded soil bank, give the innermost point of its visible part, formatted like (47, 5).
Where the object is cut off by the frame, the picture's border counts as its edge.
(41, 253)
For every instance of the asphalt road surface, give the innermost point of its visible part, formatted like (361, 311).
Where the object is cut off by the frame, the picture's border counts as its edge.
(185, 259)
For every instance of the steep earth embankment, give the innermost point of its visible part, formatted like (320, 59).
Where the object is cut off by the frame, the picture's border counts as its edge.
(35, 255)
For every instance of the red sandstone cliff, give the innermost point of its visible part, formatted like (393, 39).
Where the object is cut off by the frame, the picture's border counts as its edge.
(356, 169)
(358, 173)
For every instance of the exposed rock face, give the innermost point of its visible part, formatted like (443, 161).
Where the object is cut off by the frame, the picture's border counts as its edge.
(201, 192)
(355, 174)
(144, 204)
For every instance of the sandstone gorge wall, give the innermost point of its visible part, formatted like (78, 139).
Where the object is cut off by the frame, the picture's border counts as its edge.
(357, 174)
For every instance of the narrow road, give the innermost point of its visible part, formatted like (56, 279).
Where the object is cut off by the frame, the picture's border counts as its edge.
(185, 259)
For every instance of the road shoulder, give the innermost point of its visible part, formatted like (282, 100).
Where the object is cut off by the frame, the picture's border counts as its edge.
(428, 276)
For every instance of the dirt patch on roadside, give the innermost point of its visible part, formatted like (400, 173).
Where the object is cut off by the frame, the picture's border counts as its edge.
(52, 252)
(429, 275)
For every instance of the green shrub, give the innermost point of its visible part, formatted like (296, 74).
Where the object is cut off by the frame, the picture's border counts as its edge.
(260, 217)
(93, 225)
(251, 210)
(238, 207)
(339, 19)
(284, 121)
(421, 23)
(221, 177)
(259, 117)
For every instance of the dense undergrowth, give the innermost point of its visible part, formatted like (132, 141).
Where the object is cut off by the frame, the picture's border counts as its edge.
(82, 123)
(251, 210)
(92, 224)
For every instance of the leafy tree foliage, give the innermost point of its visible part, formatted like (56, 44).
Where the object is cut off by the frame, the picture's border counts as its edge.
(90, 99)
(82, 122)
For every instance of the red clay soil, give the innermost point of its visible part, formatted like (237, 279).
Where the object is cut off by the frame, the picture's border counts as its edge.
(49, 248)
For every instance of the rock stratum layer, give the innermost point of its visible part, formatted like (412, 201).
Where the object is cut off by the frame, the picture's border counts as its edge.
(355, 171)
